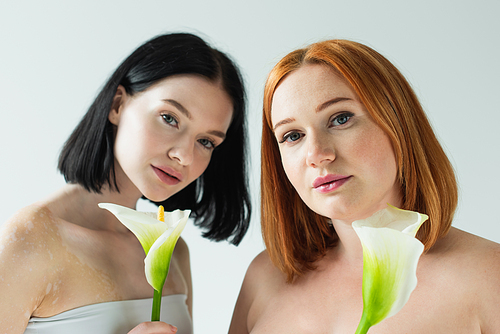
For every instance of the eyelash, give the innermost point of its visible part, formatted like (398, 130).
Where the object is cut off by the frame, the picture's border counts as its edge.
(209, 145)
(289, 135)
(164, 116)
(212, 144)
(347, 115)
(344, 114)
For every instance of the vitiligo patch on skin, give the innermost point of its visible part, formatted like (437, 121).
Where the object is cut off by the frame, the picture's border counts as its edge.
(25, 240)
(37, 244)
(29, 226)
(12, 236)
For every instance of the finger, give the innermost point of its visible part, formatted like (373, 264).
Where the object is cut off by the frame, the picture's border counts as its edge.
(154, 327)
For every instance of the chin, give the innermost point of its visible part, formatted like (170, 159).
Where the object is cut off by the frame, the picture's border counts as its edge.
(347, 213)
(158, 196)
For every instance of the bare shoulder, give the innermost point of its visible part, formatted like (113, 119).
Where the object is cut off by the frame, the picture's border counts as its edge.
(472, 264)
(483, 261)
(29, 240)
(469, 249)
(467, 256)
(262, 265)
(182, 260)
(28, 250)
(32, 227)
(181, 249)
(262, 275)
(181, 257)
(261, 280)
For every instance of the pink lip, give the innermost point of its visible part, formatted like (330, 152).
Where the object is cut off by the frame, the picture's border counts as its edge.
(330, 182)
(167, 174)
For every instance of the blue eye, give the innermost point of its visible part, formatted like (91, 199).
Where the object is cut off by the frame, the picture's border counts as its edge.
(294, 136)
(169, 119)
(291, 137)
(342, 119)
(207, 143)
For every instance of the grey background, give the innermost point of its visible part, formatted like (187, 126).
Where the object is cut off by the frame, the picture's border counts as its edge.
(55, 55)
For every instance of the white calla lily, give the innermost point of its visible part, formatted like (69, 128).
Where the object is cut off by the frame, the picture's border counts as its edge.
(390, 256)
(158, 238)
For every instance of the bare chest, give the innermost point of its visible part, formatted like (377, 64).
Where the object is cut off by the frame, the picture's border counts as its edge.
(100, 268)
(334, 305)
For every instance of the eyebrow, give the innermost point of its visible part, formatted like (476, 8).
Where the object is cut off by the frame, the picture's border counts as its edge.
(179, 106)
(183, 110)
(320, 108)
(283, 122)
(326, 104)
(219, 134)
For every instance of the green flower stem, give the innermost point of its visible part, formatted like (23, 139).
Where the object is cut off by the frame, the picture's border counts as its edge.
(155, 314)
(158, 238)
(364, 325)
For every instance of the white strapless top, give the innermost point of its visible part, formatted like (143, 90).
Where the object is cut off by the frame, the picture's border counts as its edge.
(117, 317)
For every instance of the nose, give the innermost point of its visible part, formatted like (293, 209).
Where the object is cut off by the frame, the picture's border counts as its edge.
(320, 150)
(182, 152)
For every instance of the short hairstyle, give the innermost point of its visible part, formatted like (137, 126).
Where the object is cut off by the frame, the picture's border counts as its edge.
(294, 235)
(219, 199)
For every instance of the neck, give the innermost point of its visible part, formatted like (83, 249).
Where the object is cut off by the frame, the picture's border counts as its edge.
(349, 246)
(76, 205)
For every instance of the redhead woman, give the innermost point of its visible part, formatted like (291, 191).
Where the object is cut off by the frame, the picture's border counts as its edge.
(169, 125)
(344, 135)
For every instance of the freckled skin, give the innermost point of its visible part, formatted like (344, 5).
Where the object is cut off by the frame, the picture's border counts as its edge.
(457, 292)
(458, 288)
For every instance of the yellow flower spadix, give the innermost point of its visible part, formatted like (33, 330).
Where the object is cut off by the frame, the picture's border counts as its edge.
(158, 234)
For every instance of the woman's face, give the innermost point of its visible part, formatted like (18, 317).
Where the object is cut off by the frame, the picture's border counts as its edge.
(337, 158)
(166, 134)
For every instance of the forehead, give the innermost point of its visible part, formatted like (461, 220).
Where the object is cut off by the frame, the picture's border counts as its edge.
(308, 87)
(200, 98)
(181, 82)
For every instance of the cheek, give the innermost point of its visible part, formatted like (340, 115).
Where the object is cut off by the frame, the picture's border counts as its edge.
(377, 153)
(291, 166)
(200, 164)
(132, 134)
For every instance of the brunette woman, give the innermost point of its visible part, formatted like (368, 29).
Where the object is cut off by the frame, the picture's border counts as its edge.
(168, 125)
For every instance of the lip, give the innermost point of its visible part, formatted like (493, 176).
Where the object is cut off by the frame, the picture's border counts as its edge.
(167, 174)
(330, 182)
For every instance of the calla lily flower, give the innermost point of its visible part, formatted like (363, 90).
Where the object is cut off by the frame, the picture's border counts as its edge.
(390, 256)
(158, 237)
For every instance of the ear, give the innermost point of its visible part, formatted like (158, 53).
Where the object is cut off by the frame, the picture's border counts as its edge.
(117, 105)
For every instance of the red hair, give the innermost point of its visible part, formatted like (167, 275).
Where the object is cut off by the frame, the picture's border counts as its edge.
(294, 235)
